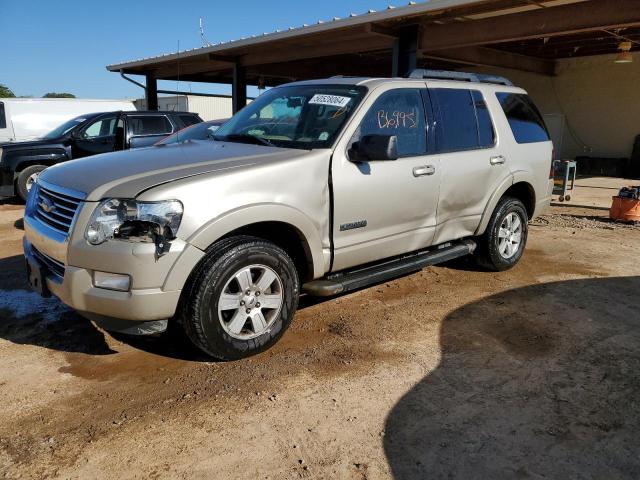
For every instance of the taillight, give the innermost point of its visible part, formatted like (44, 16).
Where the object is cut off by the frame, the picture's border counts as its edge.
(552, 171)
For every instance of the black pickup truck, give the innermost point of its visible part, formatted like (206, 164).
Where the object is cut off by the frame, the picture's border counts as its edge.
(91, 134)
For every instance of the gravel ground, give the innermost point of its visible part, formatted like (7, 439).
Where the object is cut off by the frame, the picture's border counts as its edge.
(448, 373)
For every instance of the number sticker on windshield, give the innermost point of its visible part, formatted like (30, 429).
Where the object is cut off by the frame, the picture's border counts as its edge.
(331, 100)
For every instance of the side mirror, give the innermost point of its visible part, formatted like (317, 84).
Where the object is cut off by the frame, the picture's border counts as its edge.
(374, 147)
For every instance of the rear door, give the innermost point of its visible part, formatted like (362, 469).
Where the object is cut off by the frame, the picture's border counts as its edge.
(145, 130)
(473, 160)
(385, 208)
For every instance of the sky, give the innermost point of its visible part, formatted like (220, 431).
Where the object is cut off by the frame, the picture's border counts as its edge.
(65, 45)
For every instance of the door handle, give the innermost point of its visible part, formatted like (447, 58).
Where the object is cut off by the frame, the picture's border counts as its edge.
(424, 170)
(498, 160)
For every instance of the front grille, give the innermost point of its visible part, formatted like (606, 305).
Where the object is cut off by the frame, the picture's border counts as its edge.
(54, 266)
(61, 209)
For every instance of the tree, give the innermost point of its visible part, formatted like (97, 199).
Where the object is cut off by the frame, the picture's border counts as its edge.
(58, 95)
(5, 92)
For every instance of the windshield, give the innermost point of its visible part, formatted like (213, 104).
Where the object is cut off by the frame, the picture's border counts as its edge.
(299, 116)
(65, 128)
(199, 131)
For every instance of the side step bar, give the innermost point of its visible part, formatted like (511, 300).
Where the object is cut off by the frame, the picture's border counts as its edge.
(336, 283)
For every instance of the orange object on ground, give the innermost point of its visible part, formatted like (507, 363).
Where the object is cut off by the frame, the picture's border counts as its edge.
(625, 210)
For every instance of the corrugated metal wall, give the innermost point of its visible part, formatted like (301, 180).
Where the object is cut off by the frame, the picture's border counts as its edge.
(209, 108)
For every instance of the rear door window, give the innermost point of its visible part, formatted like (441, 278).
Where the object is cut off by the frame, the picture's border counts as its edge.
(458, 126)
(524, 118)
(464, 120)
(3, 118)
(105, 127)
(401, 113)
(149, 125)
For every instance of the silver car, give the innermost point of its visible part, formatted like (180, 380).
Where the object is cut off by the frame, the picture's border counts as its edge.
(320, 187)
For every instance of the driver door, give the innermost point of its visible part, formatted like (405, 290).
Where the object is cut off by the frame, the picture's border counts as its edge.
(98, 137)
(385, 208)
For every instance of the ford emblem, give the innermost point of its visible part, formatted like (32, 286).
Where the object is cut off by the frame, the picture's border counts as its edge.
(47, 205)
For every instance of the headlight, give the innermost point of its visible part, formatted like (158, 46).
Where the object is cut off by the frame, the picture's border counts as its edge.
(135, 221)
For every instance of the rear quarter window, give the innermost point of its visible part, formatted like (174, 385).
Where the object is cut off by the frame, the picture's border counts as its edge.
(524, 118)
(3, 118)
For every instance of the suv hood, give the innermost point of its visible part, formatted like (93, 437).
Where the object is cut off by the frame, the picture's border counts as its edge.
(126, 174)
(30, 144)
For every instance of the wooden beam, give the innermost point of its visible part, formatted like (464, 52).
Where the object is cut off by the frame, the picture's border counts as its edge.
(490, 57)
(374, 29)
(222, 59)
(320, 49)
(346, 65)
(544, 22)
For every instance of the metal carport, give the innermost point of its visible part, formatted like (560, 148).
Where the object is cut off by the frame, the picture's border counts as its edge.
(526, 35)
(523, 36)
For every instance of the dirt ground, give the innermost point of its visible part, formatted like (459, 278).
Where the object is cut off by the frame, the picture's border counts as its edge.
(448, 373)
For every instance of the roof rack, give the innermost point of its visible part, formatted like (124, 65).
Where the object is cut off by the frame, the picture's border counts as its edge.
(460, 76)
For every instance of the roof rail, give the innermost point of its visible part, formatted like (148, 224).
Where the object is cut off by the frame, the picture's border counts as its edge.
(460, 76)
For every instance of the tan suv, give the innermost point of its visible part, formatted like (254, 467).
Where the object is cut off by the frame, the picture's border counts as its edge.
(319, 187)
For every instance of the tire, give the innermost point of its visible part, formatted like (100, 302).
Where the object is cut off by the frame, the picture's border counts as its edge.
(216, 326)
(494, 254)
(26, 176)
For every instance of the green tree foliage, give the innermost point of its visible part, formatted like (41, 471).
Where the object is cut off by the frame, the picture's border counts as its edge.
(58, 95)
(5, 92)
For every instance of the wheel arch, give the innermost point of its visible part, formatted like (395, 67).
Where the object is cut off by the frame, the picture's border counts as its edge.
(285, 226)
(18, 162)
(517, 187)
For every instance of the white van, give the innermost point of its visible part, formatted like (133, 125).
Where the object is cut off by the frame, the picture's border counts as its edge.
(29, 118)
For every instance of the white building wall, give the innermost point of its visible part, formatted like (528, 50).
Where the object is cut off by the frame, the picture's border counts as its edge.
(209, 108)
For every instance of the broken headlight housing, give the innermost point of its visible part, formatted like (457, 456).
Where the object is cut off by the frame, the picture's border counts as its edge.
(128, 219)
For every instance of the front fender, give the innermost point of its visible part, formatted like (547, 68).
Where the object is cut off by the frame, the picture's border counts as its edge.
(265, 212)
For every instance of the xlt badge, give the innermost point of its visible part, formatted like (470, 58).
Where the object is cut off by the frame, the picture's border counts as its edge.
(353, 225)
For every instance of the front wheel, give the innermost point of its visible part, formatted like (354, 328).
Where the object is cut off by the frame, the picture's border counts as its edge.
(26, 179)
(502, 245)
(241, 299)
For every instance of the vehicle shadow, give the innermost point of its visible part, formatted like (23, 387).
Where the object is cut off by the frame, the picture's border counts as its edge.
(28, 319)
(537, 382)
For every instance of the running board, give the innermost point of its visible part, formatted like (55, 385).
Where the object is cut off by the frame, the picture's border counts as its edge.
(352, 280)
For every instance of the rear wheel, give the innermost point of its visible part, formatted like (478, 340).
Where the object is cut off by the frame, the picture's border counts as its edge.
(241, 299)
(26, 179)
(504, 241)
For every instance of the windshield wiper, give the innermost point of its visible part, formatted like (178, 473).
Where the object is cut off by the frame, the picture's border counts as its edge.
(244, 138)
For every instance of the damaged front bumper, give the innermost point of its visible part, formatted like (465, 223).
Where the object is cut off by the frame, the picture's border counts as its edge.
(156, 284)
(75, 288)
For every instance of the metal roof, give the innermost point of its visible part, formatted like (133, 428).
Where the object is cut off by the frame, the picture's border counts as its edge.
(526, 35)
(390, 13)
